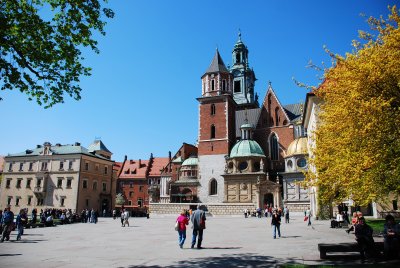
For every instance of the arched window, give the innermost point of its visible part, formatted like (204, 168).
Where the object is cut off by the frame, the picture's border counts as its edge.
(212, 109)
(212, 136)
(274, 146)
(212, 85)
(213, 187)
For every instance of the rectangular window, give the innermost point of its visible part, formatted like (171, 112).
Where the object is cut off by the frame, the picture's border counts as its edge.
(236, 86)
(104, 186)
(9, 200)
(212, 85)
(62, 165)
(140, 202)
(28, 183)
(130, 194)
(129, 202)
(29, 200)
(84, 184)
(21, 166)
(86, 166)
(224, 85)
(8, 183)
(30, 166)
(105, 170)
(10, 166)
(140, 188)
(40, 202)
(95, 185)
(69, 182)
(96, 167)
(131, 185)
(17, 201)
(70, 164)
(59, 182)
(38, 182)
(62, 201)
(18, 185)
(87, 202)
(44, 166)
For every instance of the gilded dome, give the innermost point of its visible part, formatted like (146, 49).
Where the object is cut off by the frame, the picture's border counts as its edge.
(191, 161)
(247, 148)
(298, 146)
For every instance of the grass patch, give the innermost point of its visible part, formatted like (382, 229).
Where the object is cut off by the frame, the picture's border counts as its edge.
(376, 224)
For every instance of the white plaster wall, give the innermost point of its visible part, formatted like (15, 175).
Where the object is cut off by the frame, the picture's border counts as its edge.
(211, 166)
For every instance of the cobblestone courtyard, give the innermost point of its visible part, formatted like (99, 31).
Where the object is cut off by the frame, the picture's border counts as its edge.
(228, 242)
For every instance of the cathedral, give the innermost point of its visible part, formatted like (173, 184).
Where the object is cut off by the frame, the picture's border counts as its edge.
(244, 147)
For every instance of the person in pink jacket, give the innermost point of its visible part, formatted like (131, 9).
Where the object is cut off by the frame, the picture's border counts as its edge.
(182, 222)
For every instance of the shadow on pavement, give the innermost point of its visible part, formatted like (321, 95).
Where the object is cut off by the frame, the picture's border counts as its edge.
(10, 255)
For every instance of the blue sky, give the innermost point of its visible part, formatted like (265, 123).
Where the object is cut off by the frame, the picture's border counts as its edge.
(141, 97)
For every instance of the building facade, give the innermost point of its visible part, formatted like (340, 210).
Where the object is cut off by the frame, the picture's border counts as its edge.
(59, 176)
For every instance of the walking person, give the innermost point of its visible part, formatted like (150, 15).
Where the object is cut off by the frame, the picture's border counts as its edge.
(21, 220)
(122, 217)
(182, 220)
(7, 221)
(308, 215)
(276, 224)
(286, 213)
(198, 220)
(126, 218)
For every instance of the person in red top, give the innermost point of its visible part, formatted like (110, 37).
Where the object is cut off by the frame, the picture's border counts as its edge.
(182, 221)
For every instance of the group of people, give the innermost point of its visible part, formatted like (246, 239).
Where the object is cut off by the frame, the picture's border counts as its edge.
(124, 217)
(198, 220)
(269, 210)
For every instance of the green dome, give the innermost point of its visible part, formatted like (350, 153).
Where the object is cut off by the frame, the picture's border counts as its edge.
(191, 161)
(247, 148)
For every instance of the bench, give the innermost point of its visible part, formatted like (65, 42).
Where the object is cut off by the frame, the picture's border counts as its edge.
(343, 247)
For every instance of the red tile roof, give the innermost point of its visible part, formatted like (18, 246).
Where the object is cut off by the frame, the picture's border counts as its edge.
(158, 164)
(131, 169)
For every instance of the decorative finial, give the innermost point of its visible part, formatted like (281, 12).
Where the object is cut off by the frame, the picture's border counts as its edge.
(240, 36)
(269, 83)
(245, 116)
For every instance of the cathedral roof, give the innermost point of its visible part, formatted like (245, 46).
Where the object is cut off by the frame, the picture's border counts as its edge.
(297, 147)
(217, 65)
(247, 148)
(294, 111)
(251, 115)
(191, 161)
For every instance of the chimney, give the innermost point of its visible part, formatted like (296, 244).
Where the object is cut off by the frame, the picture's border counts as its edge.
(125, 158)
(38, 146)
(169, 156)
(140, 163)
(77, 144)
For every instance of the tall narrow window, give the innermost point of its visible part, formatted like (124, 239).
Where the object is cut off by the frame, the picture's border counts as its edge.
(212, 136)
(237, 57)
(61, 164)
(212, 109)
(274, 147)
(30, 166)
(276, 116)
(70, 164)
(29, 200)
(21, 166)
(224, 85)
(213, 187)
(104, 186)
(212, 85)
(236, 86)
(10, 166)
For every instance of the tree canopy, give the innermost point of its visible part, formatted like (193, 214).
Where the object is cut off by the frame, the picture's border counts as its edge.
(41, 43)
(357, 142)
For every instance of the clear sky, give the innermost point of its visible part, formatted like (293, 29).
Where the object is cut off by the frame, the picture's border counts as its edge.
(141, 97)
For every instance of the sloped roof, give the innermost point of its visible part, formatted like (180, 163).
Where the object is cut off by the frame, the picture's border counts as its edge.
(132, 169)
(252, 116)
(97, 145)
(59, 149)
(294, 111)
(217, 65)
(158, 164)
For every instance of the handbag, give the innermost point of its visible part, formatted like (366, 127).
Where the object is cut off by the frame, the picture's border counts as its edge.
(202, 224)
(176, 226)
(305, 218)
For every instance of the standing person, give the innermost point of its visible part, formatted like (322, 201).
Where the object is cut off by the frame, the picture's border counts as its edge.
(286, 213)
(122, 217)
(391, 234)
(276, 224)
(7, 221)
(114, 213)
(126, 218)
(308, 214)
(20, 222)
(34, 217)
(198, 220)
(182, 220)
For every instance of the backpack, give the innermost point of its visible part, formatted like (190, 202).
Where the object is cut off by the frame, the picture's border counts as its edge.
(8, 217)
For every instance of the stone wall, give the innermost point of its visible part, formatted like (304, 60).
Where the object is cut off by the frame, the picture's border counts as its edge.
(213, 209)
(298, 207)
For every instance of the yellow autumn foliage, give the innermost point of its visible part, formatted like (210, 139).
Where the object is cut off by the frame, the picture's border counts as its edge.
(357, 152)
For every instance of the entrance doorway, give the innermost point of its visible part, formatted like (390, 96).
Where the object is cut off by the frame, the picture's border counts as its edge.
(269, 199)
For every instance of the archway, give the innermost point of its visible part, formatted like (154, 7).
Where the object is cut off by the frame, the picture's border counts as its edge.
(269, 199)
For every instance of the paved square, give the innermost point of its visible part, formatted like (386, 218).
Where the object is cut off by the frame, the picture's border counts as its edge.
(228, 242)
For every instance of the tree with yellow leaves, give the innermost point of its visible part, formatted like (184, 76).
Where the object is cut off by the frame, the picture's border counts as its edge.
(357, 142)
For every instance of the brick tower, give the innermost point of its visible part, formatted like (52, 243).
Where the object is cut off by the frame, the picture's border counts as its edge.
(216, 129)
